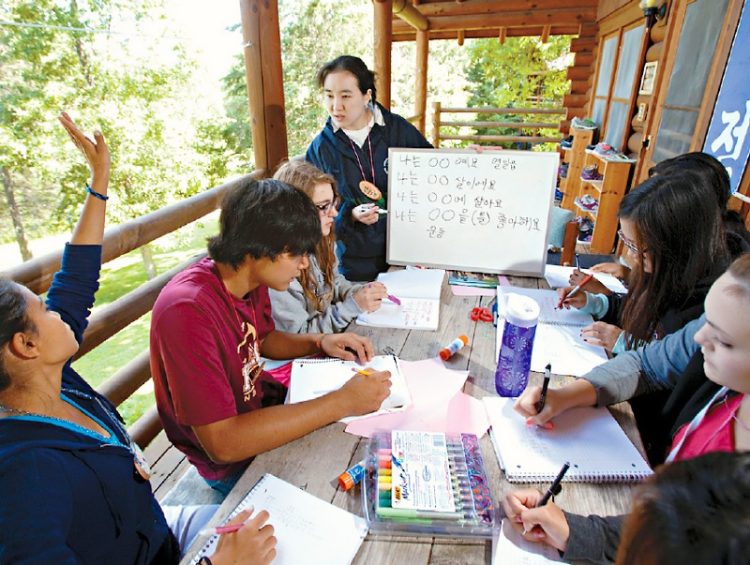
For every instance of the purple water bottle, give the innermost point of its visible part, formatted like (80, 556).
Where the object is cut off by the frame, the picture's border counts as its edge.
(514, 360)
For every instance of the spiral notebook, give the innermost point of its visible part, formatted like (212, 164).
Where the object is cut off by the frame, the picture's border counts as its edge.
(558, 335)
(312, 378)
(589, 438)
(307, 529)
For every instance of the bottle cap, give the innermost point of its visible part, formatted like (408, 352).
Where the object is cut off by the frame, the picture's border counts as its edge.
(520, 310)
(346, 481)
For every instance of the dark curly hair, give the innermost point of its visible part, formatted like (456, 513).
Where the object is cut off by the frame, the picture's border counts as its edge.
(13, 319)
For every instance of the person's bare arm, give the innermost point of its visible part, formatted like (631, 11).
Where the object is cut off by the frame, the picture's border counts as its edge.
(246, 435)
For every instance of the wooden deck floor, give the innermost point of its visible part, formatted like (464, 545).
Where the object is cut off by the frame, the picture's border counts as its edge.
(168, 464)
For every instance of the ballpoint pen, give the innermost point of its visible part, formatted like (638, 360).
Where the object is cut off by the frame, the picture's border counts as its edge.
(545, 385)
(555, 487)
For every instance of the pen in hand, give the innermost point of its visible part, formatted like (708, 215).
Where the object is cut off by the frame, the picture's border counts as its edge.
(545, 386)
(575, 290)
(555, 487)
(221, 530)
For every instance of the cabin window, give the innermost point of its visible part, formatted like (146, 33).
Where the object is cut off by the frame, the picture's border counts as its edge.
(695, 53)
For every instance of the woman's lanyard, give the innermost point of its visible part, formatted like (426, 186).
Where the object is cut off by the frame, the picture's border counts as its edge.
(695, 422)
(368, 188)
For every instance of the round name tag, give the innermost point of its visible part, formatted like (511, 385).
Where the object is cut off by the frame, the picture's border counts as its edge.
(370, 190)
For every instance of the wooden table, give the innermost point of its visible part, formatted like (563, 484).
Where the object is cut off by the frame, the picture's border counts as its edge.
(312, 462)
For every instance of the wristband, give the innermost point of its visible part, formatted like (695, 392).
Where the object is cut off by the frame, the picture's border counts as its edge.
(95, 194)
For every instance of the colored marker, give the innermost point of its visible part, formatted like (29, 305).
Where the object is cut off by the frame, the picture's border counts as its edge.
(393, 299)
(555, 487)
(410, 513)
(452, 348)
(381, 211)
(221, 530)
(352, 476)
(364, 372)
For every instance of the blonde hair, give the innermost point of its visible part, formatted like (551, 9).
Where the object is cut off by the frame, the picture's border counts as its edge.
(303, 176)
(740, 271)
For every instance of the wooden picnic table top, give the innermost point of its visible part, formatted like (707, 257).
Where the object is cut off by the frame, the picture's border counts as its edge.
(315, 460)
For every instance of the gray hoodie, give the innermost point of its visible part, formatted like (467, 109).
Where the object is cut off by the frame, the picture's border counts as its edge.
(293, 313)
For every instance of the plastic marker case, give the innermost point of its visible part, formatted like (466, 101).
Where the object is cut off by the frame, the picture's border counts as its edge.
(427, 483)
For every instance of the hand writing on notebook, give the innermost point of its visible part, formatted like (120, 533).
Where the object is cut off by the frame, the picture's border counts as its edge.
(370, 296)
(545, 524)
(576, 300)
(253, 543)
(557, 401)
(347, 346)
(602, 334)
(364, 393)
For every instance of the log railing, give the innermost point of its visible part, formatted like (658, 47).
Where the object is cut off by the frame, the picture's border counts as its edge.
(546, 121)
(103, 324)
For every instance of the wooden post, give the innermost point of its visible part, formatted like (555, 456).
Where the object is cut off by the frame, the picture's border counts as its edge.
(383, 37)
(460, 36)
(265, 82)
(420, 98)
(501, 36)
(545, 33)
(436, 125)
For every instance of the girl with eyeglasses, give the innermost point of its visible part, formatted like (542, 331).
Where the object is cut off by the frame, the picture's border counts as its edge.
(674, 244)
(705, 368)
(321, 299)
(672, 231)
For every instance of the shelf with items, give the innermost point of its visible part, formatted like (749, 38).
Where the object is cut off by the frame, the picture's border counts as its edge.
(574, 157)
(608, 191)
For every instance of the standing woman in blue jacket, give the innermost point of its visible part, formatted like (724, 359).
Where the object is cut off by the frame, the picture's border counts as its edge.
(353, 148)
(73, 486)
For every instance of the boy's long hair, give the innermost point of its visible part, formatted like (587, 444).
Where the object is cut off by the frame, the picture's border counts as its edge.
(264, 218)
(305, 177)
(678, 222)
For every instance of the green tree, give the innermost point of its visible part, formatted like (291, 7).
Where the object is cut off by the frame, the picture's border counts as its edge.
(132, 85)
(520, 73)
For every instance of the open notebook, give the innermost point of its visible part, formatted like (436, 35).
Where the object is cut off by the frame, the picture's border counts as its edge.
(418, 290)
(558, 335)
(312, 378)
(559, 277)
(589, 438)
(307, 529)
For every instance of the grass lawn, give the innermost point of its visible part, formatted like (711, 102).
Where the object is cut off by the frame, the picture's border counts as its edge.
(120, 277)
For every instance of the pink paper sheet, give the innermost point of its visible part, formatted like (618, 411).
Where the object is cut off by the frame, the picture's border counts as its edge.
(458, 290)
(438, 405)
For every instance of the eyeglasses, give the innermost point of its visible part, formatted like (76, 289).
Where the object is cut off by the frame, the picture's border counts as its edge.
(326, 208)
(629, 243)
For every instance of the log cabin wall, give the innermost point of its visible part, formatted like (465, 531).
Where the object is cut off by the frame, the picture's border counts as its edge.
(649, 137)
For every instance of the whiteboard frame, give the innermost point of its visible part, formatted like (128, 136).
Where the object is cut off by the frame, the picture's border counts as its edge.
(392, 151)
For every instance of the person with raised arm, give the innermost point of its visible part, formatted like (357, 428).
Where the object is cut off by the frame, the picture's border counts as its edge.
(73, 484)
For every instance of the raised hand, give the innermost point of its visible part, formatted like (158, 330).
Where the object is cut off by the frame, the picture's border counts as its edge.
(95, 151)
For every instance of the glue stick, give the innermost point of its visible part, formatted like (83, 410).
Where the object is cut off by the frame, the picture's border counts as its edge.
(450, 350)
(352, 476)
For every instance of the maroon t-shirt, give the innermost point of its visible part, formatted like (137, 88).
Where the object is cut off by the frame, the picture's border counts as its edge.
(205, 358)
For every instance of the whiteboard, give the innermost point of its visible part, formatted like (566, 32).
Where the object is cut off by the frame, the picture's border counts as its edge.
(458, 209)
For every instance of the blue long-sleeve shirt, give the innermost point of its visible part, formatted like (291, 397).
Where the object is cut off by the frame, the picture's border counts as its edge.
(67, 494)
